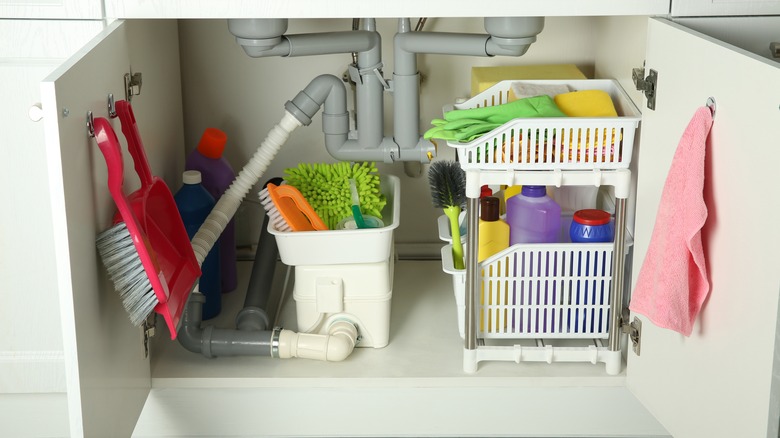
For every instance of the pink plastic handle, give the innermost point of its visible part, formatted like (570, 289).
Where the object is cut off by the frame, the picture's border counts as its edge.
(130, 130)
(109, 145)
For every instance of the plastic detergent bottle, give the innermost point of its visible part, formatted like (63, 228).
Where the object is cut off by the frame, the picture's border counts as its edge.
(194, 203)
(533, 217)
(217, 175)
(493, 232)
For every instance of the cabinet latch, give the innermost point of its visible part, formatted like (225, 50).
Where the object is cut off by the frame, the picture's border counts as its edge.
(133, 82)
(646, 85)
(633, 329)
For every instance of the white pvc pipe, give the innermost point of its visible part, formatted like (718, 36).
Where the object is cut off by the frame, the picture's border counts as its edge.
(229, 202)
(335, 346)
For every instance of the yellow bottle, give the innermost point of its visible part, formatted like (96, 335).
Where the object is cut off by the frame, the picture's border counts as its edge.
(493, 232)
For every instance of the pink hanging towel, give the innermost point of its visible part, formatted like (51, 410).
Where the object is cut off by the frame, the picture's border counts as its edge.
(672, 283)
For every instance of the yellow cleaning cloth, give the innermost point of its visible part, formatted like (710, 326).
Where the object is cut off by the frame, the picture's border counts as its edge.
(586, 103)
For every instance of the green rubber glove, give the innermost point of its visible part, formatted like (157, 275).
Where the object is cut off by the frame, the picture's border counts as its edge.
(459, 130)
(537, 106)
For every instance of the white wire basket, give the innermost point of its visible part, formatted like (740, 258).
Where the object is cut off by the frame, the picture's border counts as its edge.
(566, 143)
(539, 291)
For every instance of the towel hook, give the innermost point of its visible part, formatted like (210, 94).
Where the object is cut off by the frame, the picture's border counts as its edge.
(711, 105)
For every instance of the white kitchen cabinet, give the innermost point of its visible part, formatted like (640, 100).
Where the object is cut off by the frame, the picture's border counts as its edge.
(46, 9)
(704, 8)
(32, 364)
(719, 382)
(358, 8)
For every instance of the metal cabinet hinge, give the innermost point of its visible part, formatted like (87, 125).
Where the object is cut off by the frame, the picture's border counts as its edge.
(633, 329)
(647, 85)
(133, 82)
(149, 328)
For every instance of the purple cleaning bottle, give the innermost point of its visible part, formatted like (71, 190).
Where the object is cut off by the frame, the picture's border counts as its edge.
(533, 217)
(217, 175)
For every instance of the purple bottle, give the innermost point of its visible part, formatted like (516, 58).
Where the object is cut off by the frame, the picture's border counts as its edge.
(217, 175)
(533, 217)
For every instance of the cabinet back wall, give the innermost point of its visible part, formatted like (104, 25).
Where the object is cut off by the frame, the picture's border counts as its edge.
(225, 88)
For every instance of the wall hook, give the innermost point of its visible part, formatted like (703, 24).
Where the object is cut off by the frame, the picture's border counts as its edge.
(711, 105)
(90, 124)
(111, 106)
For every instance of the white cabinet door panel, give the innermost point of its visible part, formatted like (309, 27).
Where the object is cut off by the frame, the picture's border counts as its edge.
(107, 375)
(692, 8)
(722, 380)
(30, 360)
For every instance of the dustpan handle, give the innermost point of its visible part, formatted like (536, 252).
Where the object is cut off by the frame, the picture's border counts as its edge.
(109, 147)
(134, 144)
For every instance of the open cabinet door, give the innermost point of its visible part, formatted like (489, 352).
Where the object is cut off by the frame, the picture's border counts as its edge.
(107, 371)
(722, 381)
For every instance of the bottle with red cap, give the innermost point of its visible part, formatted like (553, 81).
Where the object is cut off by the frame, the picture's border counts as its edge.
(591, 225)
(217, 175)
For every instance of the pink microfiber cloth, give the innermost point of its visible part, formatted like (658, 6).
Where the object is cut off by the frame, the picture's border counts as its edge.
(672, 283)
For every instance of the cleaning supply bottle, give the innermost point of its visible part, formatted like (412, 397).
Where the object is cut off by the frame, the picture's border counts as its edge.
(217, 175)
(533, 217)
(195, 203)
(493, 232)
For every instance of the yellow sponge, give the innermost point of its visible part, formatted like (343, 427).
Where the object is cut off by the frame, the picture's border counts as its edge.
(483, 78)
(586, 103)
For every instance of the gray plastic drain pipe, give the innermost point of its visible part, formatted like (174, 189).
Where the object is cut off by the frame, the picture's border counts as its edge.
(336, 345)
(329, 92)
(265, 37)
(251, 338)
(254, 315)
(505, 37)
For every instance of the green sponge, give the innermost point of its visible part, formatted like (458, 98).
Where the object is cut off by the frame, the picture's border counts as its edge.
(326, 188)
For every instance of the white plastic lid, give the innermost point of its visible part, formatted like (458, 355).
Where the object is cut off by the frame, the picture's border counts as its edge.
(191, 177)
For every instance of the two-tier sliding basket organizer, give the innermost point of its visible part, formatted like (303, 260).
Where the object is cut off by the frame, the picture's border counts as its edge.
(544, 293)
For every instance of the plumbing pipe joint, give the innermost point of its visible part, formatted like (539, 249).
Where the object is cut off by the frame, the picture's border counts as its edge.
(334, 346)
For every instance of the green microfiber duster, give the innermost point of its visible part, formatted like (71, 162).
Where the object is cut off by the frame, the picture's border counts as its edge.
(327, 189)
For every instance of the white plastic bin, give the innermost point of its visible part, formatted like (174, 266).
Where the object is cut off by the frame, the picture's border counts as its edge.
(539, 291)
(345, 274)
(335, 247)
(565, 143)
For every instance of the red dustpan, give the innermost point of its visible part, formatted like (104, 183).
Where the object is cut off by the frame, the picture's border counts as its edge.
(158, 215)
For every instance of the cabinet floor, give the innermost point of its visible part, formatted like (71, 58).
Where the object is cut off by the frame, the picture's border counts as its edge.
(424, 344)
(415, 386)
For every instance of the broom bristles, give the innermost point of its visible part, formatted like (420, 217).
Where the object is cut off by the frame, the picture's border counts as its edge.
(124, 267)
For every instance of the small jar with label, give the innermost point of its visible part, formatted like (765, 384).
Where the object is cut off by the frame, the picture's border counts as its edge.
(591, 225)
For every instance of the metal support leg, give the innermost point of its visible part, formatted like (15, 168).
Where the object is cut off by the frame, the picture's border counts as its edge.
(472, 273)
(618, 269)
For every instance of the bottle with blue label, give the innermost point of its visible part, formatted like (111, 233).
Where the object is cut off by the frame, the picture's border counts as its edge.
(195, 203)
(591, 225)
